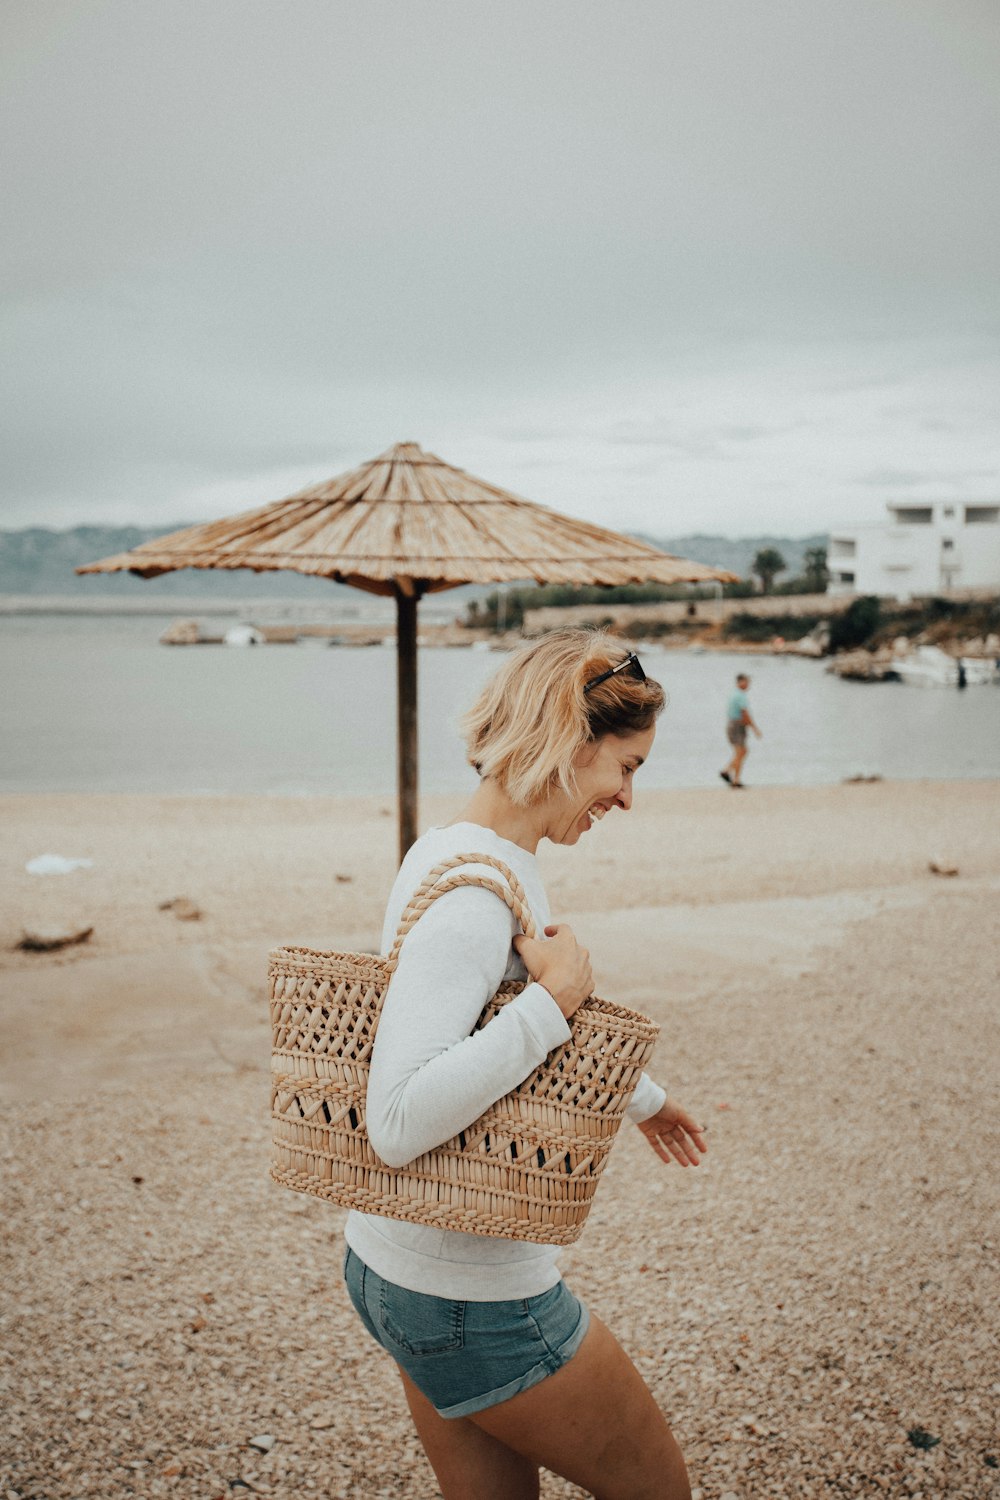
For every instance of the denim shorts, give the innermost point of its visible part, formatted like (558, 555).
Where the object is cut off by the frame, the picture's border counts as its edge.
(466, 1356)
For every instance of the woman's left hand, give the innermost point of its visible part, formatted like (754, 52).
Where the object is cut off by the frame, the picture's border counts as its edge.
(674, 1136)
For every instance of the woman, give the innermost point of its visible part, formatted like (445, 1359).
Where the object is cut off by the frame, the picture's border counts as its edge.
(504, 1369)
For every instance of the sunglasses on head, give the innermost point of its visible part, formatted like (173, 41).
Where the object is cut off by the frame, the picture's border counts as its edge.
(631, 664)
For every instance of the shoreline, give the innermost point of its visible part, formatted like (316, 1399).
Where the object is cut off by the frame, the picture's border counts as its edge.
(699, 628)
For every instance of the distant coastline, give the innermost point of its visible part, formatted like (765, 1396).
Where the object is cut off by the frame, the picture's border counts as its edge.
(358, 607)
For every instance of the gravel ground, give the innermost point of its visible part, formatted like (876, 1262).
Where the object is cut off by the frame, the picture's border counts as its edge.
(815, 1308)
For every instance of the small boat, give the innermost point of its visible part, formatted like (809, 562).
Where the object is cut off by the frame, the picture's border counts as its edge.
(929, 666)
(243, 635)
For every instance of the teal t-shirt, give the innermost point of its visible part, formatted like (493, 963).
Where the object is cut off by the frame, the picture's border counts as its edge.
(737, 703)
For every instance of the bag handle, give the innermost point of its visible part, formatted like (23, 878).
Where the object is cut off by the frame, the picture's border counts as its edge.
(429, 890)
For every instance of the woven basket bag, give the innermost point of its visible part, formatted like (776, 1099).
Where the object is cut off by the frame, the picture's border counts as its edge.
(527, 1169)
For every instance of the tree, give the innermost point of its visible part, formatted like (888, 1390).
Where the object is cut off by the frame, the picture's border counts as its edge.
(815, 570)
(856, 626)
(766, 564)
(504, 610)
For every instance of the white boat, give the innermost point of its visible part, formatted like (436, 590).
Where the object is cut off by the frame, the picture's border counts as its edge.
(243, 635)
(929, 666)
(979, 671)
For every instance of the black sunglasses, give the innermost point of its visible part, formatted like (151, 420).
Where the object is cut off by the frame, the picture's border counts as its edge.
(631, 663)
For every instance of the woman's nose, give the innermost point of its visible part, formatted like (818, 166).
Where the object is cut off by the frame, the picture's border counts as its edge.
(624, 798)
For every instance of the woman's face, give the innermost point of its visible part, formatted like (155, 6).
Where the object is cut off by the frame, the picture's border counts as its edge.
(604, 772)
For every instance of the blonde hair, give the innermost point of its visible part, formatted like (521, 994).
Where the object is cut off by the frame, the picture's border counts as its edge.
(533, 718)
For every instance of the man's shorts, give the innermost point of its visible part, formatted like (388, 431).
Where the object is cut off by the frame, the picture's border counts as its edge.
(736, 732)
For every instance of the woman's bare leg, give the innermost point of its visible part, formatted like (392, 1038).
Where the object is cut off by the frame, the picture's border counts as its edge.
(468, 1463)
(595, 1423)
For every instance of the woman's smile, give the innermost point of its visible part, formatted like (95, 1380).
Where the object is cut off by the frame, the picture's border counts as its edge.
(594, 814)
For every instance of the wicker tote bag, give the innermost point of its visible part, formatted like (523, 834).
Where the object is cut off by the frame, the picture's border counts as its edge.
(527, 1169)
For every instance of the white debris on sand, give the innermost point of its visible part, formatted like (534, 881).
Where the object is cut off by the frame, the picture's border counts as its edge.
(56, 864)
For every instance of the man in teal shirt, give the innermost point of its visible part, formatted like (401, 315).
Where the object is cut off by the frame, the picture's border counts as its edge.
(738, 721)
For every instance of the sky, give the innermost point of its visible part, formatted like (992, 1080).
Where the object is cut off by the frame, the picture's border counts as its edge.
(725, 267)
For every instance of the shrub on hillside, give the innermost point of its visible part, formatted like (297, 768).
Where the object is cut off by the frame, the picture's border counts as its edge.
(654, 630)
(857, 625)
(747, 627)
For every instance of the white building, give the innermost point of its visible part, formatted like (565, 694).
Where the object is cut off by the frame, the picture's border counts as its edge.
(921, 549)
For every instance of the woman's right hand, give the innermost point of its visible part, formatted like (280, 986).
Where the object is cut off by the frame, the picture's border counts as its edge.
(560, 965)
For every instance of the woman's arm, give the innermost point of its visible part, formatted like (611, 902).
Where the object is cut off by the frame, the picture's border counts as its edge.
(431, 1075)
(647, 1100)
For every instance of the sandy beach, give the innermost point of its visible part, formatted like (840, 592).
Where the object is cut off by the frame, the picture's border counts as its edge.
(815, 1308)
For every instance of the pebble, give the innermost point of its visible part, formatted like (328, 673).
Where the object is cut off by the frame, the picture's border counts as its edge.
(183, 909)
(263, 1444)
(48, 939)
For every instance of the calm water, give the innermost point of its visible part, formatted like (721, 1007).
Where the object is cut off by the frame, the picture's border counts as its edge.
(96, 704)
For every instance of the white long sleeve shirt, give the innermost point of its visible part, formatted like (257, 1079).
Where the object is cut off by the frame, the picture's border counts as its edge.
(432, 1075)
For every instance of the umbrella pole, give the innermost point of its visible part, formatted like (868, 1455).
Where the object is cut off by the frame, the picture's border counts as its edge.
(406, 715)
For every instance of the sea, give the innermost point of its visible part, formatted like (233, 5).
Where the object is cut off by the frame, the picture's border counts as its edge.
(97, 704)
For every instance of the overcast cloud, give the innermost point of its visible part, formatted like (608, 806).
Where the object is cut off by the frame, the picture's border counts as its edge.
(669, 266)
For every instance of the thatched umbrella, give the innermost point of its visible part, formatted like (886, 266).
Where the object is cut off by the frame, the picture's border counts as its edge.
(404, 525)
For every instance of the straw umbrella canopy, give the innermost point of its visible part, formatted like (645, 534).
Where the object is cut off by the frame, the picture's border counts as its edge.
(404, 525)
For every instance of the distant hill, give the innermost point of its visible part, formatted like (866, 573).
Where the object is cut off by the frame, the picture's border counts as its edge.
(737, 553)
(38, 560)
